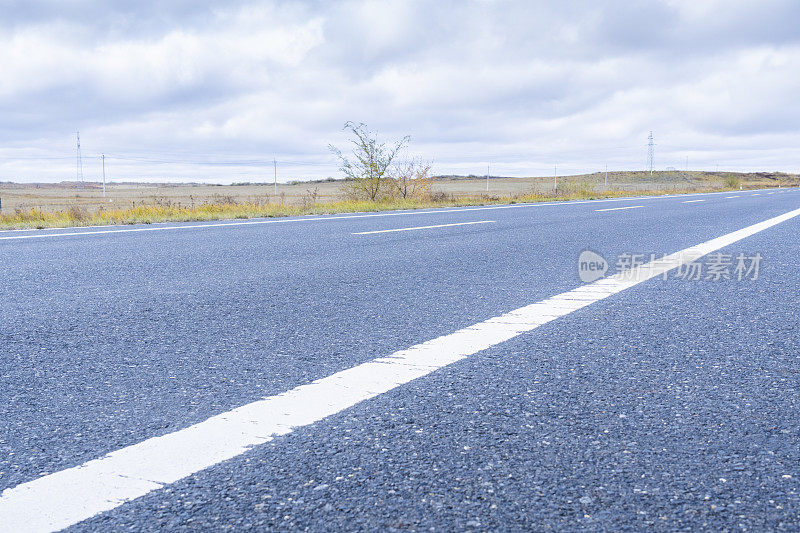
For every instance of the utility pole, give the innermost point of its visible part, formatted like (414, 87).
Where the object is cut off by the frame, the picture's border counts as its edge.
(687, 163)
(275, 178)
(78, 165)
(555, 177)
(650, 152)
(103, 157)
(487, 177)
(605, 183)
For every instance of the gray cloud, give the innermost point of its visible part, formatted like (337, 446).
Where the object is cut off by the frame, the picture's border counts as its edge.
(522, 84)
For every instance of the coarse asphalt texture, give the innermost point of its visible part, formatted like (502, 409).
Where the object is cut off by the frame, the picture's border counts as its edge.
(672, 405)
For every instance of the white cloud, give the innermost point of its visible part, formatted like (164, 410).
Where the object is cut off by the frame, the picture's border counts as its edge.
(526, 85)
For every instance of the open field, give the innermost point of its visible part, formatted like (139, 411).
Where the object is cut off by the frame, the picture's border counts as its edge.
(63, 204)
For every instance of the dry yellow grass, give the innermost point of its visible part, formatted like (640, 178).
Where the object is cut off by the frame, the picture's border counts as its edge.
(147, 214)
(60, 206)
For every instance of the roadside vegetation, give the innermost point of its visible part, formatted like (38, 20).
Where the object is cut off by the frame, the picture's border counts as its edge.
(149, 214)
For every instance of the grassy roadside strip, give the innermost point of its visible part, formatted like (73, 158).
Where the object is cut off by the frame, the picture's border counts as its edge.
(148, 214)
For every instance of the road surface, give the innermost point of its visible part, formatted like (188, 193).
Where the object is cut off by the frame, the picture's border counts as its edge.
(667, 403)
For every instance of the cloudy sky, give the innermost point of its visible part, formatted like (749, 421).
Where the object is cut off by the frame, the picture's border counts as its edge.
(211, 91)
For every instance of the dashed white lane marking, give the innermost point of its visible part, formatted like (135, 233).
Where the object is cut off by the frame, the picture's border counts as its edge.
(424, 227)
(692, 201)
(757, 194)
(64, 498)
(620, 208)
(737, 196)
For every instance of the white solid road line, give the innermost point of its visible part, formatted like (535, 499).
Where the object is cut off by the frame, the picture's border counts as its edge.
(692, 201)
(64, 498)
(65, 232)
(423, 227)
(620, 208)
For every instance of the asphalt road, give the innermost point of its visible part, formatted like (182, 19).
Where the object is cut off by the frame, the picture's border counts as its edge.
(671, 405)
